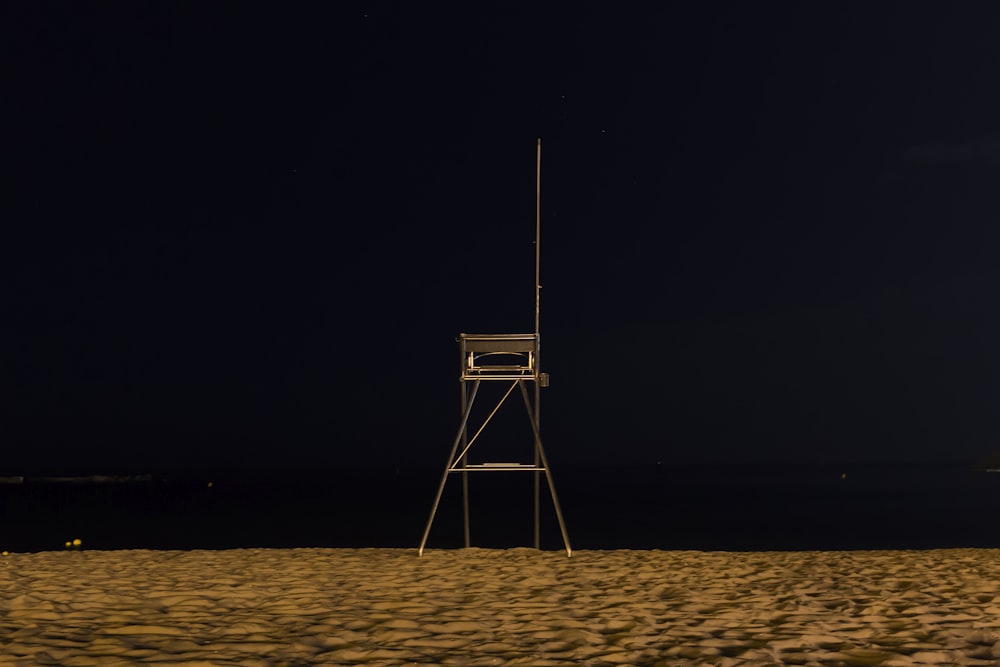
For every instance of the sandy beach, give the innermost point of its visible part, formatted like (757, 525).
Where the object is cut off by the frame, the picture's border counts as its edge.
(268, 607)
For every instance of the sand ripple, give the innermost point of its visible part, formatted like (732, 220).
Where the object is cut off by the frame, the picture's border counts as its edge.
(259, 607)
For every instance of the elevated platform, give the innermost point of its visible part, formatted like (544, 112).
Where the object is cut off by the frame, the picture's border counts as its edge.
(500, 357)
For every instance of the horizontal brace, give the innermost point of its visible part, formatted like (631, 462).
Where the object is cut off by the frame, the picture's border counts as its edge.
(481, 468)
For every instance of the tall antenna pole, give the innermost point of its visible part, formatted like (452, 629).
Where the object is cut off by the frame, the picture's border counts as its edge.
(538, 229)
(538, 341)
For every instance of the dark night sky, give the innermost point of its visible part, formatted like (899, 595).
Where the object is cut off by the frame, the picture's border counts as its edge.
(248, 236)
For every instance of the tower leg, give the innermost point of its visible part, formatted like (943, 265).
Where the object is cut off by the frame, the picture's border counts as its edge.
(548, 473)
(451, 461)
(537, 475)
(466, 528)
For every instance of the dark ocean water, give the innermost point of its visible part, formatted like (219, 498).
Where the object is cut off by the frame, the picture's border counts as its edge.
(761, 507)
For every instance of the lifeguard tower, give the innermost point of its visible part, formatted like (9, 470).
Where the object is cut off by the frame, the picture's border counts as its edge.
(513, 359)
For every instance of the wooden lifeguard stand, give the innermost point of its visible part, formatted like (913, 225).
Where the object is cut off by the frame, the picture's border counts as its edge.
(511, 358)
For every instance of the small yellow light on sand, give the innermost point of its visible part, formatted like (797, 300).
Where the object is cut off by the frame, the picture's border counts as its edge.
(77, 542)
(5, 553)
(68, 544)
(843, 475)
